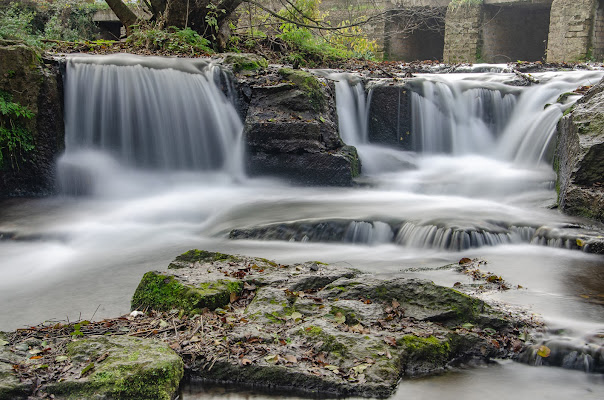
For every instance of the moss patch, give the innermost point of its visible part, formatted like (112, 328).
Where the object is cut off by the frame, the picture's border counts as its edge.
(246, 62)
(201, 256)
(163, 293)
(132, 369)
(428, 349)
(308, 83)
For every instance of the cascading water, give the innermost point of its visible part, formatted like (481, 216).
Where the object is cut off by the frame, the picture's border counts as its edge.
(458, 119)
(146, 113)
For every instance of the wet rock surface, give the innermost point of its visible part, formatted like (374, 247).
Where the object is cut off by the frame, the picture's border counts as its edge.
(323, 328)
(291, 129)
(35, 83)
(580, 157)
(59, 361)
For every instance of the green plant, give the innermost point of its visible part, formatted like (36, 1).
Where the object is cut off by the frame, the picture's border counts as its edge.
(173, 39)
(16, 24)
(15, 139)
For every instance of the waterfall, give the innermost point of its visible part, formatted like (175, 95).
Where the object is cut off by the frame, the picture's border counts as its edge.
(455, 119)
(353, 109)
(147, 113)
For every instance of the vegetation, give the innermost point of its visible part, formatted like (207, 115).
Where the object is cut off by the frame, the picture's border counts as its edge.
(15, 139)
(173, 39)
(33, 21)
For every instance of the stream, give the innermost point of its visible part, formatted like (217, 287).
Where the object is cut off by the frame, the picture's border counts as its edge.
(139, 188)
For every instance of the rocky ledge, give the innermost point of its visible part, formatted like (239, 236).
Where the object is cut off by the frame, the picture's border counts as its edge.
(308, 327)
(580, 157)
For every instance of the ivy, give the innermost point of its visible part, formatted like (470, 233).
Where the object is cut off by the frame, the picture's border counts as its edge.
(15, 139)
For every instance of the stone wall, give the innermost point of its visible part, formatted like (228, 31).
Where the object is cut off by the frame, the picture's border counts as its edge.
(514, 33)
(598, 33)
(424, 42)
(571, 29)
(463, 42)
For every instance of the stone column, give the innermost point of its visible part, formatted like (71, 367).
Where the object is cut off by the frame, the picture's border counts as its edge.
(463, 33)
(570, 30)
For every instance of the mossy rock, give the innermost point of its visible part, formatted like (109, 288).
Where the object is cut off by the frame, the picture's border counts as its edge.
(201, 256)
(132, 369)
(245, 62)
(164, 293)
(308, 83)
(10, 386)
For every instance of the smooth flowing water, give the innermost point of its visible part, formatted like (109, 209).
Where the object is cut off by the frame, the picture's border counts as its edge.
(155, 146)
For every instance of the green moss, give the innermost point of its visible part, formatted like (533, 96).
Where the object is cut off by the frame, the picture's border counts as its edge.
(428, 349)
(201, 256)
(569, 110)
(134, 369)
(351, 154)
(308, 83)
(331, 344)
(163, 293)
(563, 97)
(350, 316)
(246, 62)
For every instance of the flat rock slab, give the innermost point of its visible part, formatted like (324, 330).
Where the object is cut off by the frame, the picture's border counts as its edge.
(93, 367)
(318, 328)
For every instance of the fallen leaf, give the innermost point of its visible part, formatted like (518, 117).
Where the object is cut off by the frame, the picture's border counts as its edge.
(465, 260)
(339, 319)
(61, 359)
(234, 297)
(390, 341)
(35, 357)
(296, 316)
(3, 342)
(291, 359)
(35, 351)
(272, 359)
(395, 304)
(544, 351)
(246, 361)
(333, 369)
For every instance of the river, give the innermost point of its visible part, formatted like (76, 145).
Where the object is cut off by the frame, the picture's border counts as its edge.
(490, 185)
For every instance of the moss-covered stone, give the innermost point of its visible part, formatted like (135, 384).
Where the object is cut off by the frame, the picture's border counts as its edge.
(195, 255)
(162, 292)
(10, 386)
(245, 62)
(308, 83)
(424, 354)
(130, 368)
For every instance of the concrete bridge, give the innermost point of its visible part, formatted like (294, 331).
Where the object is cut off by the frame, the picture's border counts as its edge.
(493, 31)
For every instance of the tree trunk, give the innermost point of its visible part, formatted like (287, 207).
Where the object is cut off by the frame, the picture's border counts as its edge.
(123, 12)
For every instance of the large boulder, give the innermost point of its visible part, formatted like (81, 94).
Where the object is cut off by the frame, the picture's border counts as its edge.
(292, 133)
(320, 328)
(580, 157)
(35, 83)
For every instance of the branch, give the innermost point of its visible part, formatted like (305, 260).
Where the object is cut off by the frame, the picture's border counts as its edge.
(315, 24)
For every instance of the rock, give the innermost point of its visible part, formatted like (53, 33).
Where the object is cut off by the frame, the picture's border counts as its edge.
(33, 83)
(10, 386)
(132, 369)
(390, 113)
(94, 367)
(580, 157)
(291, 131)
(245, 62)
(567, 353)
(323, 328)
